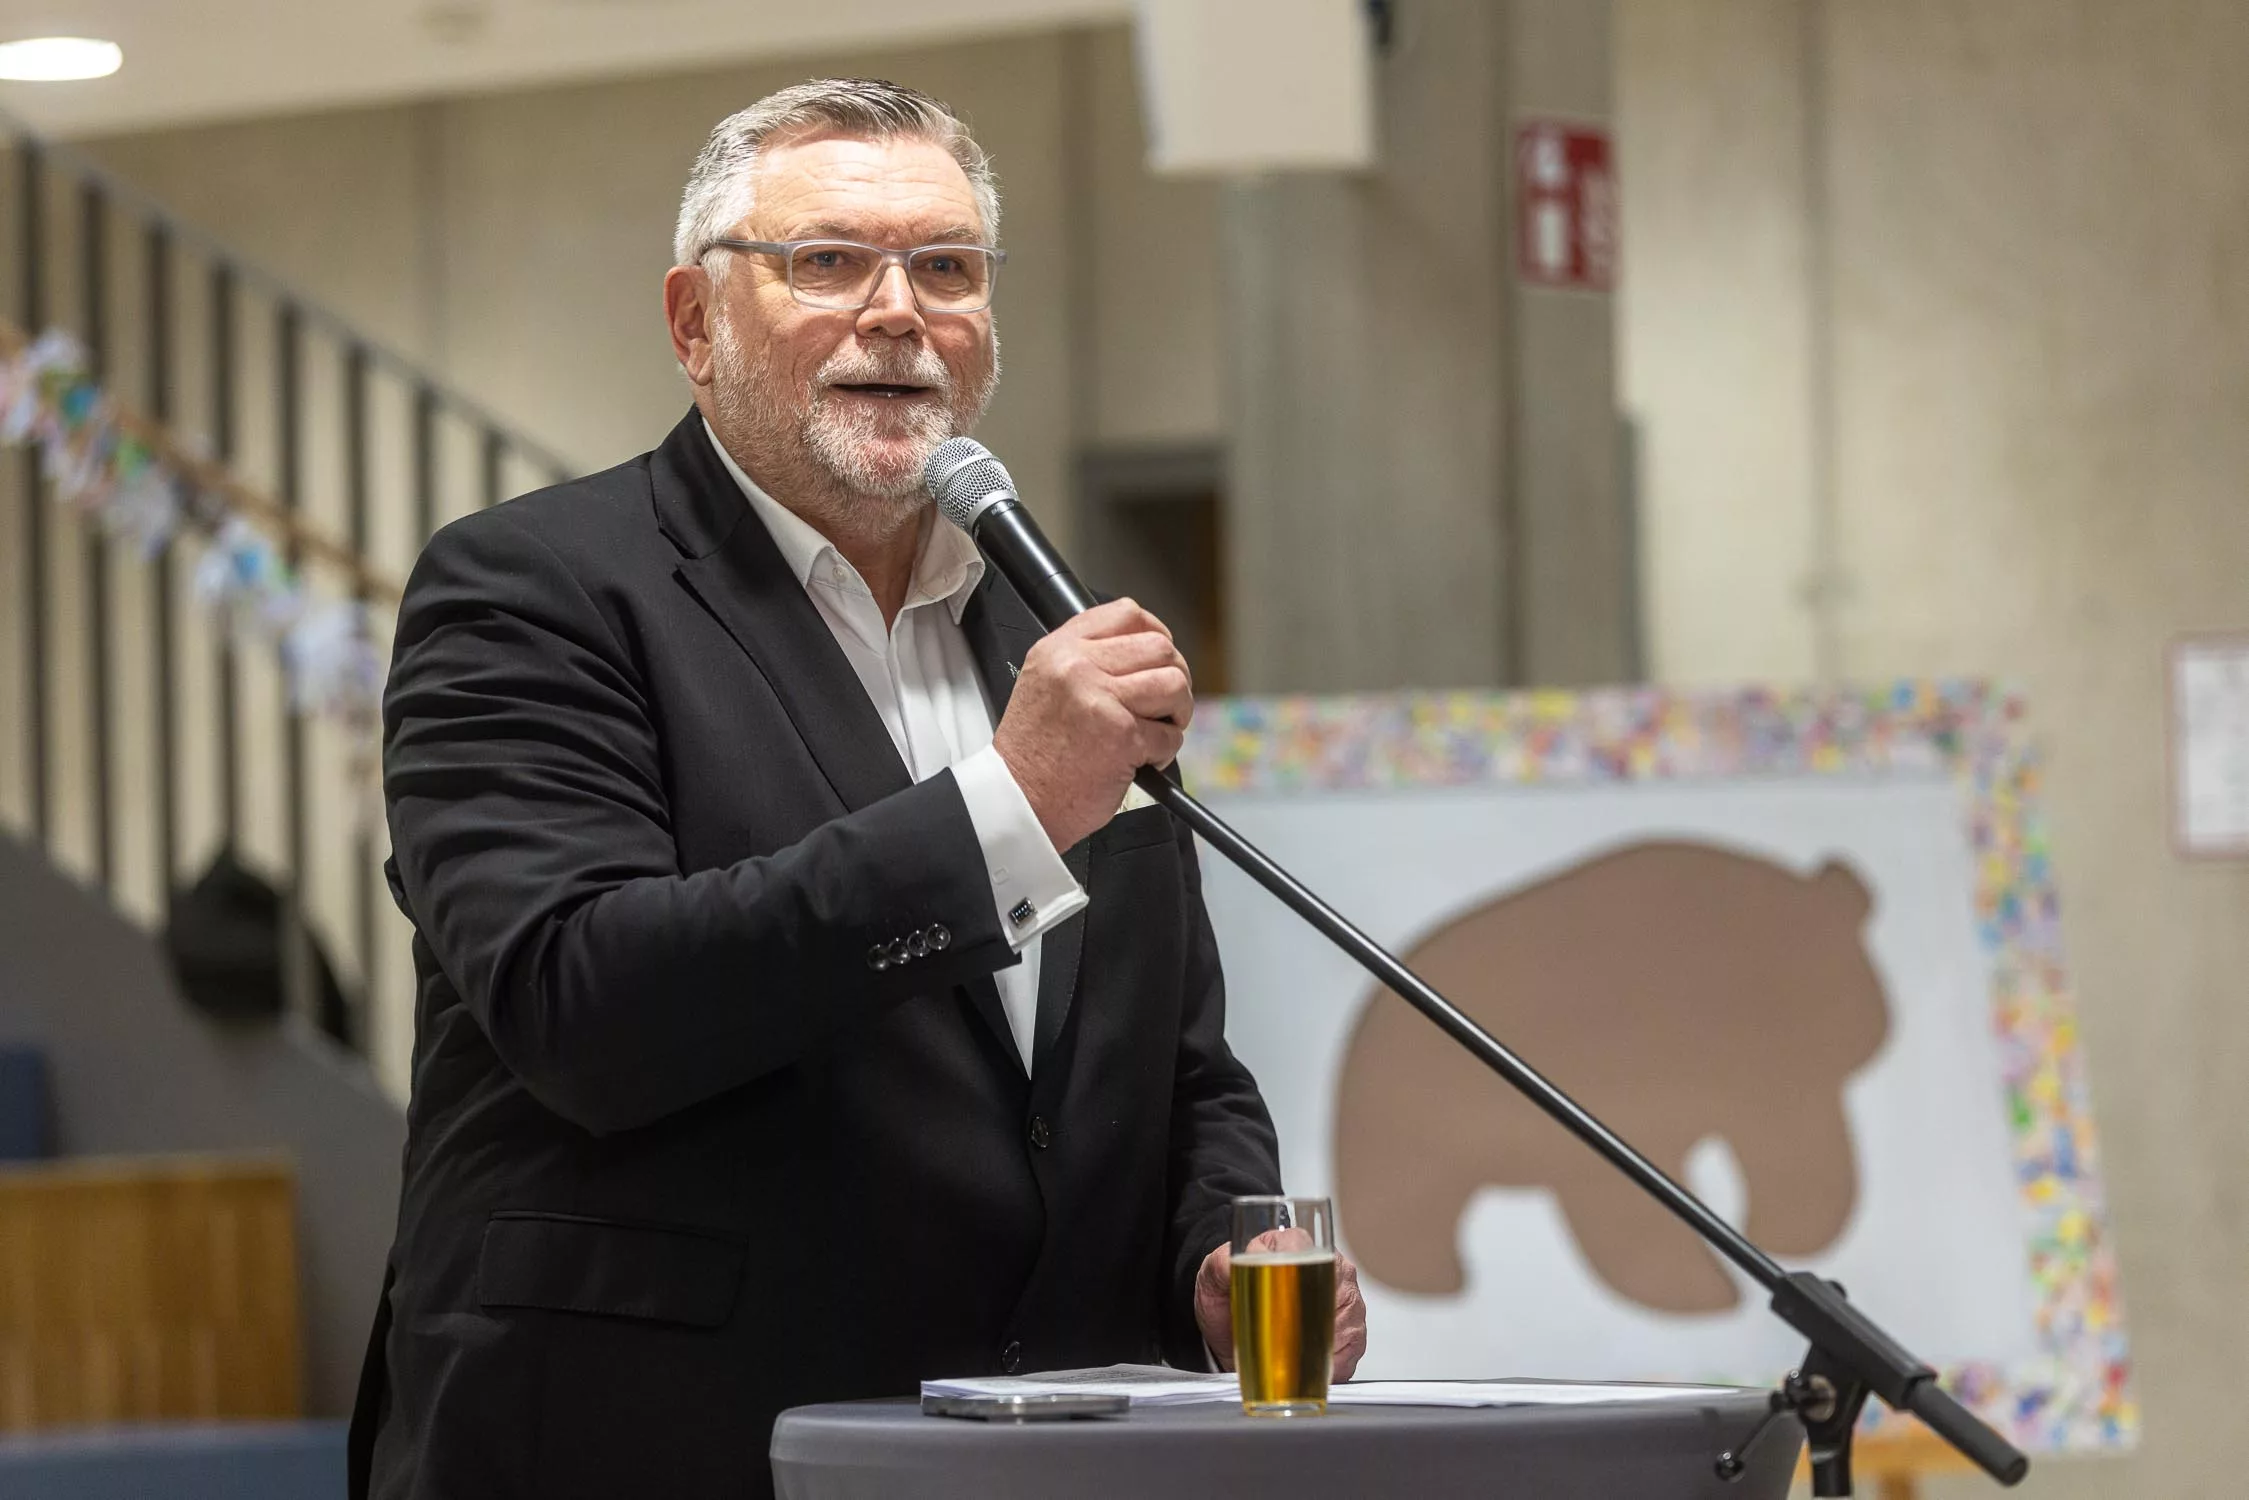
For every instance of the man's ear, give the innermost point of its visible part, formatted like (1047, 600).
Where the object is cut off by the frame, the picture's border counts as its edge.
(688, 311)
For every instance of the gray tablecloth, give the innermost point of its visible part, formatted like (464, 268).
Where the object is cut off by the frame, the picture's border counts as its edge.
(887, 1450)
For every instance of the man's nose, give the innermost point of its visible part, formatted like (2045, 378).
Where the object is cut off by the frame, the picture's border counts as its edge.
(892, 311)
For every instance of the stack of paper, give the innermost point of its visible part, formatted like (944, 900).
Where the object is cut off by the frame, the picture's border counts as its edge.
(1503, 1393)
(1143, 1385)
(1155, 1385)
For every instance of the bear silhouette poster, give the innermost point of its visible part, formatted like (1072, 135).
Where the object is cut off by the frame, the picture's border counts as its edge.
(1811, 936)
(1679, 990)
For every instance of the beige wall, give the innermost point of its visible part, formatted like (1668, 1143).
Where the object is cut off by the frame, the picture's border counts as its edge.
(2031, 276)
(1150, 324)
(1713, 314)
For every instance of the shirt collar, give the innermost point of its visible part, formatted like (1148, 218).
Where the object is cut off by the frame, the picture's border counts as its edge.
(947, 568)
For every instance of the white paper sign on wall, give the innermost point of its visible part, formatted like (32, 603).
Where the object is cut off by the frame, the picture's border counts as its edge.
(2210, 745)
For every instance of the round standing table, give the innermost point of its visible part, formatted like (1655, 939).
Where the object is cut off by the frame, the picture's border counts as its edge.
(1655, 1450)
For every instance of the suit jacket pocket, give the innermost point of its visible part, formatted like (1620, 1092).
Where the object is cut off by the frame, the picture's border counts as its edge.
(1131, 830)
(569, 1264)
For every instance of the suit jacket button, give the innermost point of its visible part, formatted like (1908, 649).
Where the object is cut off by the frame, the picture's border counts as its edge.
(919, 942)
(899, 952)
(939, 938)
(1041, 1132)
(1011, 1358)
(878, 957)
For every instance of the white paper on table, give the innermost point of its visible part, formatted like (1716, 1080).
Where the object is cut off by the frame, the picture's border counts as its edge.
(1157, 1385)
(1507, 1393)
(1142, 1385)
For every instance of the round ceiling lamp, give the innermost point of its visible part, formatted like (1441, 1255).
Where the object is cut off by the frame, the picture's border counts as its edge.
(59, 59)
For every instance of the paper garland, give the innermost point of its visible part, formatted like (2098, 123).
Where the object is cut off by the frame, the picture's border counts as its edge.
(99, 465)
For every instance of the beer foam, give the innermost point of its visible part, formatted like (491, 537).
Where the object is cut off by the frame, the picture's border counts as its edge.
(1284, 1258)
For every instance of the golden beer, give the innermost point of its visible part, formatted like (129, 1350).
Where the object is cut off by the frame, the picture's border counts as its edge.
(1284, 1329)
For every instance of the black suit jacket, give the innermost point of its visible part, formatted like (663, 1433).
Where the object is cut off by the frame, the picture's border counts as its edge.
(681, 1152)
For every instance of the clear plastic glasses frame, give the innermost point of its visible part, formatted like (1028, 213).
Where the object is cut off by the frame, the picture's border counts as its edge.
(971, 299)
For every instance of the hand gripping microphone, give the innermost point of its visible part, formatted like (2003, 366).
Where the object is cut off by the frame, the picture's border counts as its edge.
(973, 489)
(1850, 1358)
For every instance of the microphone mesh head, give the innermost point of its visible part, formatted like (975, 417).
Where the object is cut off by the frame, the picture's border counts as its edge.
(963, 478)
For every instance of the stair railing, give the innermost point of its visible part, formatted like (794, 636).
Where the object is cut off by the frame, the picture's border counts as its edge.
(145, 734)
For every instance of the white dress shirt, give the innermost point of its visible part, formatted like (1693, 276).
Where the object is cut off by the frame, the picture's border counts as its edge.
(922, 680)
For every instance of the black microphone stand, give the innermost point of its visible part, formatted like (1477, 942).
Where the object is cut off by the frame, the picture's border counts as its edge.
(1849, 1357)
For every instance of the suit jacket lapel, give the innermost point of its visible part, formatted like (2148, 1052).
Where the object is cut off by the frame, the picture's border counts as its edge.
(1000, 630)
(736, 570)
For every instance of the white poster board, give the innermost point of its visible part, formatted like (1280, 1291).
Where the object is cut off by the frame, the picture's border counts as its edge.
(1971, 1224)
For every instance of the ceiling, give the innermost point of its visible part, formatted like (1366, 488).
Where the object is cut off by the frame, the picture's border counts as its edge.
(188, 60)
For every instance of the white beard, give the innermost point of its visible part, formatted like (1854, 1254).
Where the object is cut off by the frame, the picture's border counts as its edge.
(828, 451)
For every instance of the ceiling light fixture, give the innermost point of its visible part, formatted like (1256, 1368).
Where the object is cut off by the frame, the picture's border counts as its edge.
(59, 59)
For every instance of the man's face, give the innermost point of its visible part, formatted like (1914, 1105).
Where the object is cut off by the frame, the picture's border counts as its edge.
(861, 398)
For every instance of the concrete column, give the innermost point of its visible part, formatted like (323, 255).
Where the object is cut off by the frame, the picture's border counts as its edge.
(1393, 518)
(1367, 399)
(1574, 611)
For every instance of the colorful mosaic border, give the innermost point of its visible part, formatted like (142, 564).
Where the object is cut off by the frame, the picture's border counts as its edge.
(2076, 1396)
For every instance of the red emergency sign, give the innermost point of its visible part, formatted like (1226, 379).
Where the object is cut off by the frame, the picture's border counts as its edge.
(1565, 206)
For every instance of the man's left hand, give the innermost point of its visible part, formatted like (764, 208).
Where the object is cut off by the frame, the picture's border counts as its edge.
(1214, 1310)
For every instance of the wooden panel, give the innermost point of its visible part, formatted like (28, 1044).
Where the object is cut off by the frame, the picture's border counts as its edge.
(133, 1289)
(1896, 1463)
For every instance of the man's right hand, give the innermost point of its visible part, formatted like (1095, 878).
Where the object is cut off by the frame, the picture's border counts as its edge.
(1095, 701)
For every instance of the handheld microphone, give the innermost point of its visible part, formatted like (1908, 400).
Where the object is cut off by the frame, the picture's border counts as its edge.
(975, 492)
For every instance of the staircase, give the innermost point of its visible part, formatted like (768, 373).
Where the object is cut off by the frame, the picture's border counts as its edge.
(142, 734)
(138, 735)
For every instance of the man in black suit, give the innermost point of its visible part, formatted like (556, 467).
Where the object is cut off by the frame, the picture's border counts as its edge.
(800, 1015)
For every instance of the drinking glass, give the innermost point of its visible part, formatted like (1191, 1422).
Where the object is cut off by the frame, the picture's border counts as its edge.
(1284, 1304)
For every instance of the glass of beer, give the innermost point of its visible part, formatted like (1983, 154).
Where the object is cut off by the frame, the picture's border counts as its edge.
(1284, 1304)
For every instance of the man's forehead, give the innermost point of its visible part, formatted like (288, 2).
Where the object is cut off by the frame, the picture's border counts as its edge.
(855, 188)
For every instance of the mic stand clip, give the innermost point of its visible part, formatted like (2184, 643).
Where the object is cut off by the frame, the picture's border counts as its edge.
(1828, 1415)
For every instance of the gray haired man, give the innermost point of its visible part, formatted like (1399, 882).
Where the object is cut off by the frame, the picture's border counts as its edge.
(802, 1013)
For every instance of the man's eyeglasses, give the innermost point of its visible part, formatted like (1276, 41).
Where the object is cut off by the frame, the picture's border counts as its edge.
(840, 276)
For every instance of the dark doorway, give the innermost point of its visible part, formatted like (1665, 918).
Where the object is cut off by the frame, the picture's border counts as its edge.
(1151, 524)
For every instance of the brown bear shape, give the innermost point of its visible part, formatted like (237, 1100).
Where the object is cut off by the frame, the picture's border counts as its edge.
(1679, 991)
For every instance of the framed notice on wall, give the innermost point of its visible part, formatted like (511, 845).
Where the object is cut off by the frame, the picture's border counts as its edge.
(1802, 948)
(2210, 746)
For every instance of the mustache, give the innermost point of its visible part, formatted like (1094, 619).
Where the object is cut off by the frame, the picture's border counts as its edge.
(886, 367)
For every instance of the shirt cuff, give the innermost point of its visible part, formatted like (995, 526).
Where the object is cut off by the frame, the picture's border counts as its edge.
(1031, 887)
